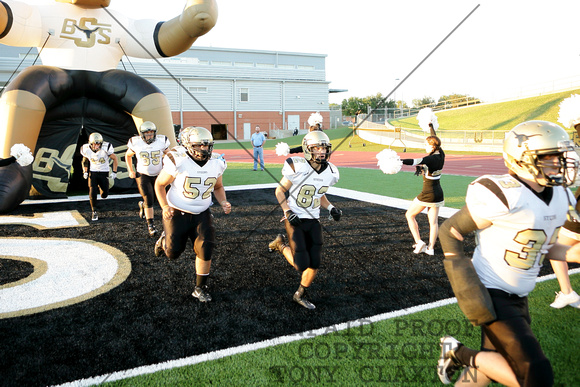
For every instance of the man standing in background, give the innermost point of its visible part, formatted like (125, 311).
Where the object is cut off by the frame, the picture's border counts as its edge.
(258, 141)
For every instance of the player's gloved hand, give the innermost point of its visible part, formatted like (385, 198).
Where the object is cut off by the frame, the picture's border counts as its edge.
(85, 175)
(292, 218)
(335, 213)
(113, 175)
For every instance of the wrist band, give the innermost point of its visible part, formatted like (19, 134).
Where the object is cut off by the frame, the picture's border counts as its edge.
(330, 207)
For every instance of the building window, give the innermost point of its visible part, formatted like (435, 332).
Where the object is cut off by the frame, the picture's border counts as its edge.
(243, 64)
(197, 90)
(220, 63)
(244, 94)
(285, 66)
(265, 65)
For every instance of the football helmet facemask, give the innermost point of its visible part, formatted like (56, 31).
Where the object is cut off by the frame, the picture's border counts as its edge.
(313, 140)
(525, 145)
(95, 141)
(193, 138)
(148, 132)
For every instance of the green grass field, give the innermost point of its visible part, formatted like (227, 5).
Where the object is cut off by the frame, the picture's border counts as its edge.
(403, 185)
(401, 349)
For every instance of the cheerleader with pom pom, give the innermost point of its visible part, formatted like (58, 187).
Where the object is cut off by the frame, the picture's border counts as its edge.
(431, 197)
(428, 121)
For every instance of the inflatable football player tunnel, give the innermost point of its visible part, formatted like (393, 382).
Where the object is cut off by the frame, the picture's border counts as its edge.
(52, 108)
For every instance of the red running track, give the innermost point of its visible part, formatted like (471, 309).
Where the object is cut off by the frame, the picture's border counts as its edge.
(467, 165)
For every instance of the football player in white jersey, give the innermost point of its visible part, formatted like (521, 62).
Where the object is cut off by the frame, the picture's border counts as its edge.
(301, 193)
(192, 174)
(517, 218)
(150, 149)
(96, 155)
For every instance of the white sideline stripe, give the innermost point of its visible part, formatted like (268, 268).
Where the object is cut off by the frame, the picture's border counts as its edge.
(188, 361)
(553, 276)
(444, 212)
(192, 360)
(82, 198)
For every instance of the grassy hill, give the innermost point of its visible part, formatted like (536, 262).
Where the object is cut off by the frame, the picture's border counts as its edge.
(501, 116)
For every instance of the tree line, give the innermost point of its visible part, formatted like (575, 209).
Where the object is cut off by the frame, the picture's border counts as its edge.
(355, 105)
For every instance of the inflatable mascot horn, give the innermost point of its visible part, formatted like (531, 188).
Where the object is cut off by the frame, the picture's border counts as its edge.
(78, 90)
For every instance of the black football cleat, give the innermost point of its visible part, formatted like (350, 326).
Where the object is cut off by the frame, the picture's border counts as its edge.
(277, 244)
(159, 245)
(152, 230)
(141, 210)
(95, 216)
(201, 294)
(301, 300)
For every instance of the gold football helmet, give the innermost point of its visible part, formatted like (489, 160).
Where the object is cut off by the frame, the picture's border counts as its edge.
(313, 140)
(193, 138)
(145, 131)
(527, 142)
(95, 141)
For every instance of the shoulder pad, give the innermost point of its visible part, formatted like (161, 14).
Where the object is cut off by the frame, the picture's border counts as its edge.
(296, 163)
(177, 155)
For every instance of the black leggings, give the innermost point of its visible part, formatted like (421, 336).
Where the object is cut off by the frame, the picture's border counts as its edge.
(146, 184)
(511, 335)
(182, 226)
(98, 180)
(306, 243)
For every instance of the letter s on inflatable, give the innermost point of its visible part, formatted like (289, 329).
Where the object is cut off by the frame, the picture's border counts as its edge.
(78, 90)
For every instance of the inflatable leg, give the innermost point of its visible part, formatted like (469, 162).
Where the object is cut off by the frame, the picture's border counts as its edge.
(15, 182)
(21, 116)
(155, 108)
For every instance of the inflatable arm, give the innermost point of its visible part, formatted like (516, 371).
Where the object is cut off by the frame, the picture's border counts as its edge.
(178, 34)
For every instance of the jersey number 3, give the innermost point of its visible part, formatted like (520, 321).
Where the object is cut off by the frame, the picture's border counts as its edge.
(531, 242)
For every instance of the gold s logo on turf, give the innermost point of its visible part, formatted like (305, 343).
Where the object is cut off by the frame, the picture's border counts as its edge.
(66, 272)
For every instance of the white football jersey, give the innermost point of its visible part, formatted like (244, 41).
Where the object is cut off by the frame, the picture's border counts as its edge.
(191, 190)
(99, 161)
(308, 186)
(149, 156)
(510, 252)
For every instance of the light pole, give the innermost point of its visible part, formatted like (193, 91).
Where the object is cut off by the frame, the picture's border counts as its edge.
(395, 98)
